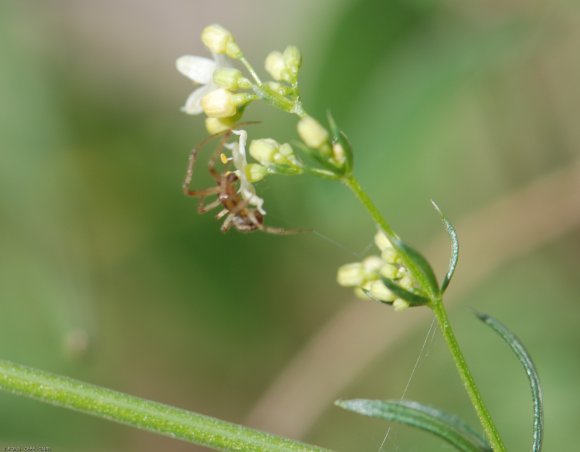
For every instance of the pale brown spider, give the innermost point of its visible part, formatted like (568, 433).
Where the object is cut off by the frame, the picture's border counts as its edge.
(238, 212)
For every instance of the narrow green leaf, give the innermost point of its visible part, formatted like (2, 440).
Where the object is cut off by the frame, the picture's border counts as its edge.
(140, 413)
(418, 266)
(413, 298)
(454, 248)
(526, 360)
(446, 426)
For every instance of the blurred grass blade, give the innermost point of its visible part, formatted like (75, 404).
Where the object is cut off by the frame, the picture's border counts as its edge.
(454, 248)
(411, 297)
(418, 266)
(524, 357)
(445, 426)
(140, 413)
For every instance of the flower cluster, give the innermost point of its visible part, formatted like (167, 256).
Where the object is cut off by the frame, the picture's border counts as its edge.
(224, 93)
(367, 277)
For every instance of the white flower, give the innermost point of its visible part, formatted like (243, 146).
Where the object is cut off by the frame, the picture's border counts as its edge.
(240, 161)
(200, 70)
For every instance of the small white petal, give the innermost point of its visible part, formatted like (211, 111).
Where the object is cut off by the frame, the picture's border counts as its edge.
(193, 103)
(198, 69)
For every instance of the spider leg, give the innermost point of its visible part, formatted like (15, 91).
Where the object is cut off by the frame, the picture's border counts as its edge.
(222, 214)
(202, 193)
(203, 208)
(189, 173)
(227, 224)
(280, 231)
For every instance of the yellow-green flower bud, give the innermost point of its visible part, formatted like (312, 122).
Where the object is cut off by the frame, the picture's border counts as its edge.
(312, 133)
(264, 150)
(218, 125)
(292, 60)
(379, 291)
(216, 38)
(255, 172)
(279, 88)
(351, 275)
(233, 50)
(230, 78)
(338, 154)
(406, 283)
(241, 99)
(382, 241)
(390, 256)
(388, 271)
(219, 103)
(285, 156)
(400, 305)
(372, 265)
(276, 66)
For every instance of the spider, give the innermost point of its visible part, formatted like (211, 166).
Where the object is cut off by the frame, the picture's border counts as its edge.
(238, 211)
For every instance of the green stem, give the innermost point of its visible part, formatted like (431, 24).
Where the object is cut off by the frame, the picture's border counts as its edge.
(354, 185)
(437, 305)
(140, 413)
(251, 70)
(471, 387)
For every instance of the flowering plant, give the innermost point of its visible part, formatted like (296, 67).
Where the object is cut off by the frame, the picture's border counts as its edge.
(400, 277)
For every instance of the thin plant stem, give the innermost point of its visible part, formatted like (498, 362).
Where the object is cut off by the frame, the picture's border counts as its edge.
(251, 70)
(483, 414)
(140, 413)
(436, 304)
(354, 185)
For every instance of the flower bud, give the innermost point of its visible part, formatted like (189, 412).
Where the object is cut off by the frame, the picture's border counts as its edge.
(406, 283)
(350, 275)
(230, 78)
(400, 305)
(218, 125)
(276, 66)
(285, 156)
(338, 154)
(388, 271)
(241, 99)
(372, 265)
(312, 133)
(390, 256)
(255, 172)
(380, 292)
(219, 103)
(233, 50)
(292, 61)
(216, 38)
(279, 88)
(264, 150)
(382, 241)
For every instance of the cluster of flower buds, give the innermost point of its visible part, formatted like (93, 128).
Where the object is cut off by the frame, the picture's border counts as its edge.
(273, 158)
(284, 66)
(368, 276)
(331, 148)
(224, 91)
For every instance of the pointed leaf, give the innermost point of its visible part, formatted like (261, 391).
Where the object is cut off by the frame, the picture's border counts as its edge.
(446, 426)
(454, 248)
(413, 298)
(418, 266)
(526, 360)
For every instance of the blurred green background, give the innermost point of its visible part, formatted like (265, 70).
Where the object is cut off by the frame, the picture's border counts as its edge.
(109, 275)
